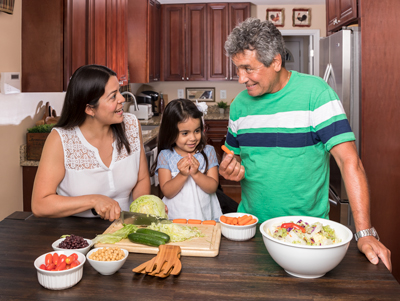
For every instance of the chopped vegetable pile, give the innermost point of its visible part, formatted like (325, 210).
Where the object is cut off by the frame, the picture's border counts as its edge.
(149, 204)
(305, 234)
(177, 232)
(112, 238)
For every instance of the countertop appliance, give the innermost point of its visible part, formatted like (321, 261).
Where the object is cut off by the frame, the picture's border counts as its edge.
(144, 111)
(340, 65)
(150, 97)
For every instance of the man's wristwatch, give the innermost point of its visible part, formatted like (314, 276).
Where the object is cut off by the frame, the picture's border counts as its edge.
(367, 232)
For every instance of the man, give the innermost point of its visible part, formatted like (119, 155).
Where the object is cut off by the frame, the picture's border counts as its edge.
(282, 129)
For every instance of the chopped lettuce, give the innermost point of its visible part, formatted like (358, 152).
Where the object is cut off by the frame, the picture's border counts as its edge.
(112, 238)
(149, 204)
(177, 232)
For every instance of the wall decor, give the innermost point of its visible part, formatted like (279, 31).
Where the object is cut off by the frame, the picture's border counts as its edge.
(200, 94)
(276, 16)
(301, 17)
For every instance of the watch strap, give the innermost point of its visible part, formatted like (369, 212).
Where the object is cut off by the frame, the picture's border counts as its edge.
(366, 232)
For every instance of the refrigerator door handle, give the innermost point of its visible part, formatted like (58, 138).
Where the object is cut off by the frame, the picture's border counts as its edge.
(327, 72)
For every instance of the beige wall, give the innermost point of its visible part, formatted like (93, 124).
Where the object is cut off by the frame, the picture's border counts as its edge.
(10, 40)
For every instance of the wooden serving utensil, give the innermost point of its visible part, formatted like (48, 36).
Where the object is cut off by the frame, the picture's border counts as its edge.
(165, 263)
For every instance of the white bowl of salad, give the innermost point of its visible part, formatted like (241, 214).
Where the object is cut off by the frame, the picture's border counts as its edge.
(304, 246)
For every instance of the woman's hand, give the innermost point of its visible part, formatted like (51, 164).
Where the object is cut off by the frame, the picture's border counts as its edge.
(107, 208)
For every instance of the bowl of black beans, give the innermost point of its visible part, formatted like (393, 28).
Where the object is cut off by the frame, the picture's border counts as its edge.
(73, 242)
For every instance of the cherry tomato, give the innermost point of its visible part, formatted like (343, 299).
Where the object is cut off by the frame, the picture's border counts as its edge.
(48, 259)
(69, 259)
(55, 258)
(61, 258)
(43, 267)
(61, 266)
(75, 264)
(51, 267)
(75, 256)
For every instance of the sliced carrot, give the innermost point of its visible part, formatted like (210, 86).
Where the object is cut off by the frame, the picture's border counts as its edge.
(209, 222)
(179, 221)
(227, 150)
(194, 221)
(245, 220)
(252, 221)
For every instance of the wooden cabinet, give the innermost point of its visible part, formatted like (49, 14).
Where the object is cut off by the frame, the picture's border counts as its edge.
(216, 135)
(95, 33)
(184, 47)
(68, 34)
(144, 41)
(222, 18)
(193, 40)
(340, 13)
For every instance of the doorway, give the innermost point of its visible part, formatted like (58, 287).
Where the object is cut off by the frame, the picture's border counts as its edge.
(308, 58)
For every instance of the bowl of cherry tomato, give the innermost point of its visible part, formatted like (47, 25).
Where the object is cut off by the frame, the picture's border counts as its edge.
(60, 270)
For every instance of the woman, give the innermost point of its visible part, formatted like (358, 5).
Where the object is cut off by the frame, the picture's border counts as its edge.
(93, 162)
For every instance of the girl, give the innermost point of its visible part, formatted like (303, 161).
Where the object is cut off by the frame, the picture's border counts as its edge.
(187, 168)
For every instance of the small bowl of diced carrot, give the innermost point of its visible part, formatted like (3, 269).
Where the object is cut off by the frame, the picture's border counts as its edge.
(238, 226)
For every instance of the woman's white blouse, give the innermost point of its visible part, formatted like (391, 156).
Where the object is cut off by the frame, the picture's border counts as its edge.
(85, 172)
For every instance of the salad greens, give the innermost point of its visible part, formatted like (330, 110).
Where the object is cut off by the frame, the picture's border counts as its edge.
(112, 238)
(305, 234)
(149, 204)
(177, 232)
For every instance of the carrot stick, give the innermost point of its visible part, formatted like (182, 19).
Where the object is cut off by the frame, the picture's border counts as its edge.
(209, 222)
(194, 221)
(243, 217)
(235, 221)
(179, 221)
(228, 220)
(252, 221)
(245, 220)
(226, 150)
(222, 218)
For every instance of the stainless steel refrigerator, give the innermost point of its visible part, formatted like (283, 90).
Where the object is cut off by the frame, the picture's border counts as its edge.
(340, 67)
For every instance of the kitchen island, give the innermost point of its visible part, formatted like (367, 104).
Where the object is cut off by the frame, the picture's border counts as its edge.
(241, 271)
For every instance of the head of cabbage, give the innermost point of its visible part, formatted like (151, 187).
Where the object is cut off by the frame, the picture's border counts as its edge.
(149, 204)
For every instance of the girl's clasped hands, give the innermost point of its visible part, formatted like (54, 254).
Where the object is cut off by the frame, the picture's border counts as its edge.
(188, 165)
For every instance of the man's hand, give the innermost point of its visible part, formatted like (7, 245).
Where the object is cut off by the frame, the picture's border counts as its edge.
(231, 169)
(373, 250)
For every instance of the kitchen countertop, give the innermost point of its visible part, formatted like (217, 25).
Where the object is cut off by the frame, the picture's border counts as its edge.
(241, 271)
(156, 120)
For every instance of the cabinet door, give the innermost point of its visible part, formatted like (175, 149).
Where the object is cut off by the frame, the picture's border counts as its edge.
(217, 28)
(154, 37)
(195, 27)
(173, 32)
(238, 12)
(340, 13)
(117, 45)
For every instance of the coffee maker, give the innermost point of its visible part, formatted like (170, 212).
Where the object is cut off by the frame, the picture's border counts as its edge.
(150, 97)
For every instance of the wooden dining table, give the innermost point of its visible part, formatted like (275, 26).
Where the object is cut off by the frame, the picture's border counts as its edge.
(241, 271)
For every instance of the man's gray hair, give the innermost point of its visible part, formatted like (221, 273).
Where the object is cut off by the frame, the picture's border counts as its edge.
(254, 34)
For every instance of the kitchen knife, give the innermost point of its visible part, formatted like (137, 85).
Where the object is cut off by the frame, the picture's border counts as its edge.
(141, 219)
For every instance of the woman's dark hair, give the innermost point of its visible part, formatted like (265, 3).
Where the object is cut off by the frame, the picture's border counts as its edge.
(176, 111)
(86, 86)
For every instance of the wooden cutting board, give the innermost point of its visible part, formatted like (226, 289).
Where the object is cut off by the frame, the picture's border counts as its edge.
(206, 246)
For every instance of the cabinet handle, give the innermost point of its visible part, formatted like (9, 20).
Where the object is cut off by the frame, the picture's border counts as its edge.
(187, 78)
(338, 21)
(226, 77)
(231, 78)
(183, 78)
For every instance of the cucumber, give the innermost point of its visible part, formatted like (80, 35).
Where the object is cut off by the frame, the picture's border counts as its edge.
(146, 239)
(154, 233)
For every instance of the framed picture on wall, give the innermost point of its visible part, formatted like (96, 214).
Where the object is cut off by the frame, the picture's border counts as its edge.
(301, 17)
(200, 94)
(276, 16)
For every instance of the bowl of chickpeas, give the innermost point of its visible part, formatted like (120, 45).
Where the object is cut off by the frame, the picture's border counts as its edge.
(107, 261)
